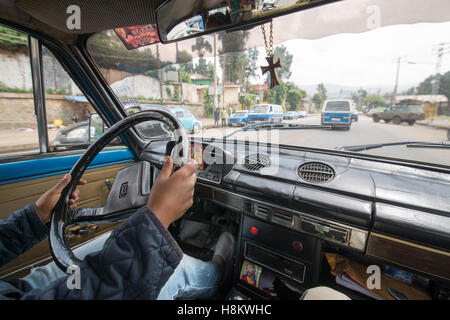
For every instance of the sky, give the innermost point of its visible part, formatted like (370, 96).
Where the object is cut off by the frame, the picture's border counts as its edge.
(370, 58)
(367, 59)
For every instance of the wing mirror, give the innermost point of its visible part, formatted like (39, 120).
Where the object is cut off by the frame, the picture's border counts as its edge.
(96, 127)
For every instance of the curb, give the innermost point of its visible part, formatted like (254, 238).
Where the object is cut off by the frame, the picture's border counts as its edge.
(433, 125)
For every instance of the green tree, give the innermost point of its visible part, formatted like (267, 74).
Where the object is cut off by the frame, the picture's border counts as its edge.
(359, 96)
(294, 97)
(12, 40)
(318, 101)
(374, 101)
(281, 52)
(277, 95)
(201, 45)
(320, 97)
(233, 59)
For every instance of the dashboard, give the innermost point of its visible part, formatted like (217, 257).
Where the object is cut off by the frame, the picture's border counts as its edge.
(303, 198)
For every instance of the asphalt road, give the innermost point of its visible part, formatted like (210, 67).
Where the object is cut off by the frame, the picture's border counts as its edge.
(365, 131)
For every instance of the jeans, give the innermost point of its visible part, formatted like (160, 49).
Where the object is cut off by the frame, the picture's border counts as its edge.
(191, 279)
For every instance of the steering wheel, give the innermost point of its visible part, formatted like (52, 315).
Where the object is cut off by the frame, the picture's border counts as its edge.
(61, 217)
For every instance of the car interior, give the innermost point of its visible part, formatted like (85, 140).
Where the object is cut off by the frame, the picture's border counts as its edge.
(302, 217)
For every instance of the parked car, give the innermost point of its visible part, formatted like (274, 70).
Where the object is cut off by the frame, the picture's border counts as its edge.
(239, 118)
(74, 134)
(187, 119)
(302, 114)
(79, 132)
(292, 115)
(337, 113)
(266, 112)
(400, 113)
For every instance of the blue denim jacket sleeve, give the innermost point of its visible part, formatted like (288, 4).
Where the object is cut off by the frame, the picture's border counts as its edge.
(20, 232)
(135, 263)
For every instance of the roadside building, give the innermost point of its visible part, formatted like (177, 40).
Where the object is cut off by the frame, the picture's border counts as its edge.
(433, 104)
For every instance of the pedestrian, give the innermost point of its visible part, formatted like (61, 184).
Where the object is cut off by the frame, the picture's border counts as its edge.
(86, 114)
(216, 117)
(223, 114)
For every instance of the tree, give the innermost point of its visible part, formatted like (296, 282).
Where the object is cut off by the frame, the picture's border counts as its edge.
(318, 101)
(252, 66)
(12, 40)
(201, 45)
(204, 68)
(233, 59)
(294, 97)
(359, 96)
(277, 95)
(374, 101)
(280, 52)
(320, 97)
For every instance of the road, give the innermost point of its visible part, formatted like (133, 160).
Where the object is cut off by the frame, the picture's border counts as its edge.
(365, 131)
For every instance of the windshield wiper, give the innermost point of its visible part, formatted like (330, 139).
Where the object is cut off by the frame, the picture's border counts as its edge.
(268, 125)
(408, 144)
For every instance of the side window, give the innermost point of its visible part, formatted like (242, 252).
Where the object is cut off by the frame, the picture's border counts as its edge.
(188, 114)
(179, 114)
(68, 110)
(18, 123)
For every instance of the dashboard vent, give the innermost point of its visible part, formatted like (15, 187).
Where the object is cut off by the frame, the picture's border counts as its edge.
(255, 162)
(261, 211)
(316, 172)
(283, 219)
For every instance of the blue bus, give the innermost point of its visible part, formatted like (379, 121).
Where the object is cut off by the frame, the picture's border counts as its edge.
(337, 113)
(266, 112)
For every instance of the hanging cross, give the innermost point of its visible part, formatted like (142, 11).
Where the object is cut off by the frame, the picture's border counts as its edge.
(271, 67)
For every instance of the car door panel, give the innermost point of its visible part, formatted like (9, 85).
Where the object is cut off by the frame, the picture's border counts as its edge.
(18, 192)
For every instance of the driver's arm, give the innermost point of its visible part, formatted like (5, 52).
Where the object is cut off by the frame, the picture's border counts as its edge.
(26, 227)
(140, 255)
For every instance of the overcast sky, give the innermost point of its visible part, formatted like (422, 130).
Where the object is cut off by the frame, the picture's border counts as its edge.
(370, 58)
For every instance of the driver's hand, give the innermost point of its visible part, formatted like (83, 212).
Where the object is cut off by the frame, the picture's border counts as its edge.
(48, 200)
(173, 192)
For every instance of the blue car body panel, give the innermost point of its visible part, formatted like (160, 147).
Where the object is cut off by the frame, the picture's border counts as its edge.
(187, 122)
(42, 167)
(341, 118)
(239, 120)
(254, 117)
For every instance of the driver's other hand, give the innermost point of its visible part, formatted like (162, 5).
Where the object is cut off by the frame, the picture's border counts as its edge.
(173, 192)
(48, 200)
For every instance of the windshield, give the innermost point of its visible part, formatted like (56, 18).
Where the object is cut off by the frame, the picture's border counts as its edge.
(240, 113)
(260, 109)
(337, 106)
(360, 57)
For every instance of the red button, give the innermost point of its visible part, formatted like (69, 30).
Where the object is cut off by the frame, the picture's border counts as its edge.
(253, 231)
(297, 246)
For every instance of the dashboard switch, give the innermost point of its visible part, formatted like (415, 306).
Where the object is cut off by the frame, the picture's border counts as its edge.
(254, 231)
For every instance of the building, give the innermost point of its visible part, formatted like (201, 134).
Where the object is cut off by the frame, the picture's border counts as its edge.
(230, 96)
(437, 102)
(200, 80)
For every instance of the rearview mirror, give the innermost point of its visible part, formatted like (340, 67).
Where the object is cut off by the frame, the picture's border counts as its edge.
(183, 19)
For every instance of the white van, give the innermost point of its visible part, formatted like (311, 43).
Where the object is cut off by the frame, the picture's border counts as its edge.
(265, 112)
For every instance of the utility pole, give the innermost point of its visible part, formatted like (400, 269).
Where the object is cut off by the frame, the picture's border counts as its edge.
(216, 100)
(394, 93)
(159, 73)
(180, 78)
